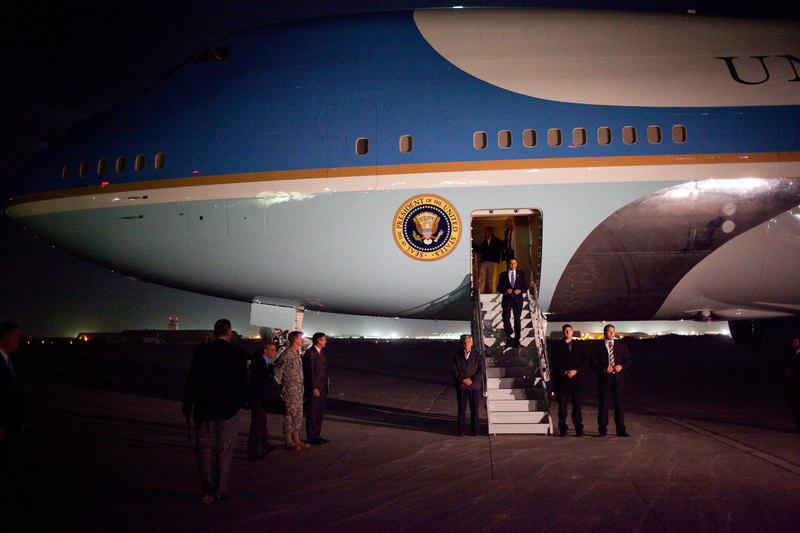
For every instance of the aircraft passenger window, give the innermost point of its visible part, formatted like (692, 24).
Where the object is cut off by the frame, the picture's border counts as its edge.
(504, 139)
(554, 137)
(479, 140)
(604, 136)
(212, 55)
(406, 143)
(529, 138)
(120, 165)
(629, 135)
(161, 161)
(83, 170)
(579, 136)
(654, 134)
(138, 164)
(362, 146)
(679, 134)
(66, 171)
(102, 166)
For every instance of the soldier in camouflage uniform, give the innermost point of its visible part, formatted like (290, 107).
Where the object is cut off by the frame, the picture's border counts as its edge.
(288, 374)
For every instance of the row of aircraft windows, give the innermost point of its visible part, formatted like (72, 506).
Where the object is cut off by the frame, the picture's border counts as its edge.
(120, 165)
(480, 140)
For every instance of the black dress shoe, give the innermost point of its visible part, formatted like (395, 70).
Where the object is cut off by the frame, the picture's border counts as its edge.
(563, 434)
(603, 434)
(460, 433)
(580, 434)
(623, 435)
(318, 442)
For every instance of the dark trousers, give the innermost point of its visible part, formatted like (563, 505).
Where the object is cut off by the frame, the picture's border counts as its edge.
(257, 438)
(315, 412)
(794, 400)
(510, 304)
(473, 397)
(610, 388)
(577, 415)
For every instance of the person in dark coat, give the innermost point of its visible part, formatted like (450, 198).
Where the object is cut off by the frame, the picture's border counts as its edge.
(11, 408)
(468, 377)
(260, 400)
(610, 359)
(513, 286)
(216, 393)
(315, 372)
(570, 362)
(793, 381)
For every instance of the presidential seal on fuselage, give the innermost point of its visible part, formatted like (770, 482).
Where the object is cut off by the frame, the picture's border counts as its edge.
(427, 227)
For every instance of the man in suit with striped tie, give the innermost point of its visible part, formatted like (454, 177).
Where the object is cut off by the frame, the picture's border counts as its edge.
(610, 359)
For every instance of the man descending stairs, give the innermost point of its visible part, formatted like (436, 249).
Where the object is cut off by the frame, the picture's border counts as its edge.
(516, 376)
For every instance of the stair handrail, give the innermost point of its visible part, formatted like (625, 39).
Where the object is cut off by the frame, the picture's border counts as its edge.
(477, 338)
(540, 336)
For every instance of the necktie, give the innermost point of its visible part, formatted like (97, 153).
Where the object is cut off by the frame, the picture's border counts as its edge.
(512, 279)
(13, 375)
(611, 353)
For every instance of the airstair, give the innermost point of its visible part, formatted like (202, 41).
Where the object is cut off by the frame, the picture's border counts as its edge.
(517, 378)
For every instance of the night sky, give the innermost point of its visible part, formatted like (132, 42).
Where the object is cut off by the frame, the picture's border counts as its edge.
(64, 62)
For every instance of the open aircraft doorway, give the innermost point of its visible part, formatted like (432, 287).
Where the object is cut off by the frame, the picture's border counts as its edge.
(525, 244)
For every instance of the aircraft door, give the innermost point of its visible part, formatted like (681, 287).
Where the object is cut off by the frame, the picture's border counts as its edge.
(525, 228)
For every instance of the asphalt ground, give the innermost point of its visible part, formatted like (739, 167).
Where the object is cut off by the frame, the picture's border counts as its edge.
(106, 449)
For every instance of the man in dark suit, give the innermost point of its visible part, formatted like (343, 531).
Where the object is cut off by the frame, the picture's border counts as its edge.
(610, 359)
(570, 363)
(11, 415)
(315, 371)
(468, 377)
(260, 400)
(511, 285)
(508, 240)
(216, 391)
(792, 369)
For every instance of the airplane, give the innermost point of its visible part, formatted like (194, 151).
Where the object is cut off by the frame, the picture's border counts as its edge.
(649, 163)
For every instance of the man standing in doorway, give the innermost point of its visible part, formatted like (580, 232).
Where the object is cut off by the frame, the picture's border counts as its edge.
(569, 365)
(216, 391)
(315, 369)
(491, 250)
(468, 376)
(511, 285)
(610, 359)
(508, 241)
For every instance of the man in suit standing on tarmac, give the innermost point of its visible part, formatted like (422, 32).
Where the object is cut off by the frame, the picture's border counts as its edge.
(511, 285)
(315, 370)
(11, 415)
(570, 363)
(610, 359)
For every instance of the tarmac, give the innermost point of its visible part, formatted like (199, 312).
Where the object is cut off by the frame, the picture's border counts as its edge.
(106, 449)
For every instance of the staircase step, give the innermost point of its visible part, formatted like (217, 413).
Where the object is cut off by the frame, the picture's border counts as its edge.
(516, 394)
(497, 406)
(509, 361)
(519, 417)
(512, 372)
(512, 383)
(519, 429)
